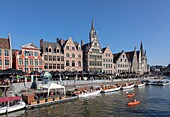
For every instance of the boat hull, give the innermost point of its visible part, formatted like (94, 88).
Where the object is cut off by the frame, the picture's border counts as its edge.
(90, 94)
(20, 106)
(127, 87)
(110, 90)
(139, 85)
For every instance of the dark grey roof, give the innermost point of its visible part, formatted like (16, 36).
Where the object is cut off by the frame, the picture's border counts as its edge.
(129, 55)
(86, 47)
(53, 46)
(62, 42)
(116, 56)
(137, 52)
(103, 49)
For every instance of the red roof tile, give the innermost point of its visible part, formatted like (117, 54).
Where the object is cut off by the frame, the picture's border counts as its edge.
(4, 43)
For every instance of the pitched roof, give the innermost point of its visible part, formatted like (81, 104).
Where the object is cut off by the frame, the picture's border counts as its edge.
(116, 56)
(5, 43)
(129, 55)
(103, 49)
(52, 44)
(86, 47)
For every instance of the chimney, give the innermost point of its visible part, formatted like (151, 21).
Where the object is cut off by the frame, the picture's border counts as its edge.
(62, 42)
(41, 45)
(57, 40)
(82, 43)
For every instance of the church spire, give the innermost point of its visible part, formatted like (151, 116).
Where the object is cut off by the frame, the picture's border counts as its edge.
(92, 34)
(92, 24)
(141, 48)
(135, 48)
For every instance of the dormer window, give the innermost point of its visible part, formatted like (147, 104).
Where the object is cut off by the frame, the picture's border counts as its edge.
(58, 51)
(49, 49)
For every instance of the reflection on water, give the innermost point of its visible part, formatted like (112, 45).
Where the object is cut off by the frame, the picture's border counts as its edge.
(155, 102)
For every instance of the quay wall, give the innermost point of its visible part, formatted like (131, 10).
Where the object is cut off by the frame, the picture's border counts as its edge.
(17, 87)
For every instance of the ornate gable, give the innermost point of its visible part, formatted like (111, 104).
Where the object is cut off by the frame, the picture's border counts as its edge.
(30, 46)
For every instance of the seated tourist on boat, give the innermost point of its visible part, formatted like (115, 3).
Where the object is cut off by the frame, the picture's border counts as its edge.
(135, 100)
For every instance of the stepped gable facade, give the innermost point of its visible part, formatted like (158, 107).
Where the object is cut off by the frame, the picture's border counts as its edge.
(108, 66)
(61, 55)
(92, 53)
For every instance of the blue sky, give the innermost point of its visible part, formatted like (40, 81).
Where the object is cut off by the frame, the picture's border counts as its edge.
(121, 24)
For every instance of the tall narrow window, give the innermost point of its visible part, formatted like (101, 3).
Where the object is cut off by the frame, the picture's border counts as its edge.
(0, 62)
(46, 57)
(26, 62)
(6, 52)
(46, 66)
(36, 62)
(62, 58)
(31, 62)
(79, 56)
(40, 61)
(50, 66)
(73, 63)
(58, 66)
(67, 55)
(73, 55)
(20, 61)
(79, 63)
(67, 63)
(35, 53)
(73, 48)
(6, 62)
(54, 66)
(62, 66)
(58, 58)
(50, 58)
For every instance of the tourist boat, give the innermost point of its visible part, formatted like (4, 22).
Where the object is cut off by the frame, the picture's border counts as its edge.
(85, 93)
(133, 103)
(110, 89)
(127, 86)
(10, 104)
(162, 82)
(140, 84)
(130, 95)
(147, 82)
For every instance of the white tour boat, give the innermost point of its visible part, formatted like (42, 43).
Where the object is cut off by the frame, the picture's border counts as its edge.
(85, 93)
(127, 86)
(10, 104)
(110, 89)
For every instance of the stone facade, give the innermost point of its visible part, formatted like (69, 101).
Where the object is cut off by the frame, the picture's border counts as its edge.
(5, 53)
(72, 55)
(53, 56)
(133, 61)
(142, 60)
(122, 63)
(107, 61)
(92, 53)
(62, 55)
(28, 59)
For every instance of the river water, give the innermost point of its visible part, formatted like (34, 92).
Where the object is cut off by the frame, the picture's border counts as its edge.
(155, 102)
